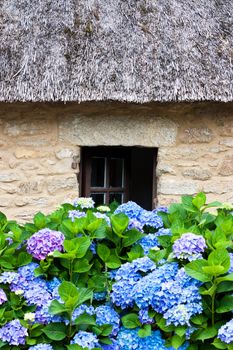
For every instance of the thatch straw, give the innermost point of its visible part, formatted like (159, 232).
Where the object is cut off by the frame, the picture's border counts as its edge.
(125, 50)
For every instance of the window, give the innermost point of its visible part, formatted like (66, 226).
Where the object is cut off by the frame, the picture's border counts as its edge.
(118, 173)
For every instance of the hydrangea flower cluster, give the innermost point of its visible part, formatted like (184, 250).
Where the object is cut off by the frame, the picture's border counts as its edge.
(73, 214)
(44, 242)
(140, 217)
(103, 216)
(148, 242)
(84, 202)
(128, 339)
(41, 347)
(225, 333)
(231, 263)
(85, 339)
(104, 208)
(166, 289)
(13, 333)
(105, 314)
(189, 246)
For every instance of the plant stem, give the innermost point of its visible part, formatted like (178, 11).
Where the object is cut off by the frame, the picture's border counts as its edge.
(212, 308)
(71, 270)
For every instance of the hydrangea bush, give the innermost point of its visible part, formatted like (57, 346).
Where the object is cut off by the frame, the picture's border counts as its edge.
(123, 279)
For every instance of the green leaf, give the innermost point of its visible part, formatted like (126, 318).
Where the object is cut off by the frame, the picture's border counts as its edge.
(177, 341)
(213, 270)
(132, 237)
(135, 252)
(187, 204)
(83, 244)
(224, 287)
(81, 266)
(220, 257)
(57, 308)
(219, 344)
(55, 331)
(85, 319)
(24, 259)
(84, 295)
(164, 241)
(145, 331)
(158, 255)
(194, 269)
(225, 304)
(130, 321)
(113, 262)
(40, 220)
(207, 333)
(68, 290)
(199, 200)
(75, 347)
(103, 252)
(119, 223)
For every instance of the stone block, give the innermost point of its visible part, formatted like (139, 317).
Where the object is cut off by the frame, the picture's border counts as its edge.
(58, 184)
(197, 174)
(177, 187)
(197, 135)
(226, 168)
(125, 130)
(9, 176)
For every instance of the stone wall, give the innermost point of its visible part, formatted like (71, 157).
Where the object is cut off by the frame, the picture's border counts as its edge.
(40, 143)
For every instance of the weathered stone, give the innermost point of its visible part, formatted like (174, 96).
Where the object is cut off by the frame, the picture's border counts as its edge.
(197, 174)
(9, 176)
(164, 169)
(227, 141)
(197, 135)
(121, 130)
(57, 184)
(226, 168)
(31, 187)
(64, 153)
(25, 153)
(177, 187)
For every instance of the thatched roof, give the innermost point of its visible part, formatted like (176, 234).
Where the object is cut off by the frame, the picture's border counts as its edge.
(125, 50)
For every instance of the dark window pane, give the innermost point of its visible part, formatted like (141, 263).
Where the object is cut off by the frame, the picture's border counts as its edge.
(98, 172)
(98, 198)
(116, 196)
(116, 171)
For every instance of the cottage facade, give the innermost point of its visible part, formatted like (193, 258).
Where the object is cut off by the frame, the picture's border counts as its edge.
(146, 76)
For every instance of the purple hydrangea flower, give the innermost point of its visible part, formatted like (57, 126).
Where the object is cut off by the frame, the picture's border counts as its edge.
(13, 333)
(86, 340)
(43, 316)
(225, 333)
(44, 242)
(3, 297)
(189, 246)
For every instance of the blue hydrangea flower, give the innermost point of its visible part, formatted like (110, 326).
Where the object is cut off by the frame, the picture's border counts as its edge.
(93, 247)
(8, 277)
(161, 209)
(144, 317)
(131, 209)
(84, 202)
(105, 314)
(135, 224)
(41, 347)
(3, 297)
(73, 214)
(128, 339)
(43, 316)
(113, 346)
(13, 333)
(86, 340)
(149, 218)
(81, 310)
(44, 242)
(37, 294)
(225, 333)
(148, 242)
(27, 271)
(122, 293)
(52, 284)
(189, 246)
(164, 232)
(180, 314)
(133, 269)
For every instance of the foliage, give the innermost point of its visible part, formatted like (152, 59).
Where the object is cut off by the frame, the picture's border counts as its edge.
(89, 278)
